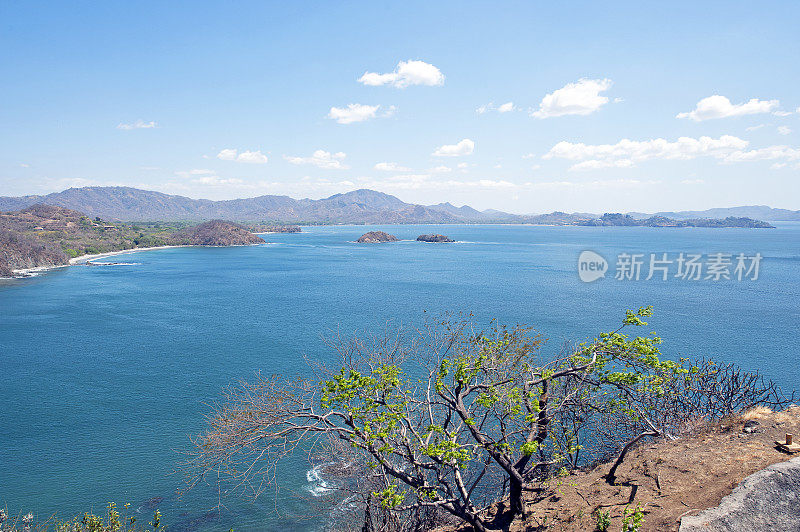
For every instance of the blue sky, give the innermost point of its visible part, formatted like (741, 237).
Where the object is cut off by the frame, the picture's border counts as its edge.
(524, 107)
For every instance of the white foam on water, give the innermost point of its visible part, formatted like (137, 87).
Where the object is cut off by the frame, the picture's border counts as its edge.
(318, 486)
(113, 263)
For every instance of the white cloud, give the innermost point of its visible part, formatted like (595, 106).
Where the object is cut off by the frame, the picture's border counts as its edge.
(441, 169)
(463, 165)
(754, 128)
(579, 98)
(228, 154)
(216, 181)
(252, 157)
(407, 73)
(503, 108)
(529, 156)
(692, 181)
(626, 153)
(717, 106)
(24, 165)
(770, 153)
(139, 124)
(603, 184)
(354, 112)
(596, 164)
(321, 159)
(784, 130)
(203, 176)
(464, 147)
(425, 181)
(391, 167)
(506, 107)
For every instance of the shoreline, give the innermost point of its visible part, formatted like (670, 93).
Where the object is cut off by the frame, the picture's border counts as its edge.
(25, 272)
(86, 258)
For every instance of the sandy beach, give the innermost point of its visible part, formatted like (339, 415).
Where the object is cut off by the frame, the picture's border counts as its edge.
(86, 258)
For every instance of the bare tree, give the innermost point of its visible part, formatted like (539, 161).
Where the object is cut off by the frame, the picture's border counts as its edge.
(449, 419)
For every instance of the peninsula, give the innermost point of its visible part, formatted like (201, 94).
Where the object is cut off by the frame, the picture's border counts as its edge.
(43, 236)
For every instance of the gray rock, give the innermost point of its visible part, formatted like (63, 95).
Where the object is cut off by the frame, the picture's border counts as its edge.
(750, 426)
(376, 237)
(768, 500)
(434, 238)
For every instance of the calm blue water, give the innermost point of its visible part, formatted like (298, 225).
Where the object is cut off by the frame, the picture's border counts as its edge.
(106, 371)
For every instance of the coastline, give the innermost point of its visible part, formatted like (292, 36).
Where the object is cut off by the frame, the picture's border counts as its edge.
(86, 258)
(24, 272)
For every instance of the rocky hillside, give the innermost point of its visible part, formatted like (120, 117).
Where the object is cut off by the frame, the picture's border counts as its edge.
(669, 481)
(131, 204)
(215, 233)
(626, 220)
(18, 251)
(356, 207)
(46, 235)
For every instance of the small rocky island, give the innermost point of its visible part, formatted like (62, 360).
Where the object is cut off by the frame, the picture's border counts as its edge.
(434, 238)
(376, 237)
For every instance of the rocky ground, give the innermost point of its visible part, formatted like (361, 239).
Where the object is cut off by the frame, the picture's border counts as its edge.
(670, 480)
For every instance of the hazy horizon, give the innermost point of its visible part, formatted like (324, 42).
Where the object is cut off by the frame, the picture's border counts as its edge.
(400, 197)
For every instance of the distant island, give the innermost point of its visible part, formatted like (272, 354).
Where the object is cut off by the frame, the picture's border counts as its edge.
(271, 228)
(626, 220)
(376, 237)
(434, 238)
(357, 207)
(43, 236)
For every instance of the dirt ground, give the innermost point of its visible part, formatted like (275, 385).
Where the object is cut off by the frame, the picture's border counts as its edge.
(667, 479)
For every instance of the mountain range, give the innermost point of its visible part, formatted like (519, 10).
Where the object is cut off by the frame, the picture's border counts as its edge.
(358, 207)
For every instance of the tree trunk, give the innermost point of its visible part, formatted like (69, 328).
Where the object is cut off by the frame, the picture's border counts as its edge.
(611, 478)
(476, 522)
(515, 498)
(368, 527)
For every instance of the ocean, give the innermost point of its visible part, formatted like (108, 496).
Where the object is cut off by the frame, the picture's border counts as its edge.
(108, 371)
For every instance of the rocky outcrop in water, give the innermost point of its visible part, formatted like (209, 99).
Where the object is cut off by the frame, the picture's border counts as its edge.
(376, 237)
(434, 238)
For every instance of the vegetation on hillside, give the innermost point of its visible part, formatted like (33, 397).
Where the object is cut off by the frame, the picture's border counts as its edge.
(438, 425)
(214, 233)
(44, 235)
(110, 521)
(355, 207)
(617, 219)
